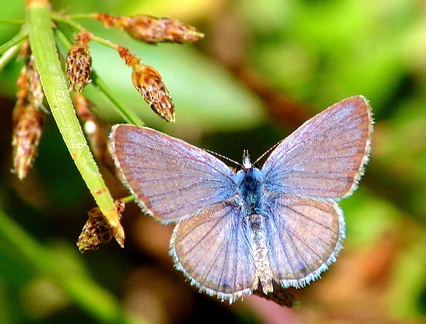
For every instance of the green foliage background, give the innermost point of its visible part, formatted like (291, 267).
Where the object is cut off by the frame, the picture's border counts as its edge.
(309, 53)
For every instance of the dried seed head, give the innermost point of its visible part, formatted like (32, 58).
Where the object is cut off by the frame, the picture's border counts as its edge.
(79, 62)
(150, 85)
(97, 232)
(24, 50)
(154, 30)
(83, 107)
(118, 231)
(27, 131)
(108, 19)
(23, 87)
(35, 90)
(28, 120)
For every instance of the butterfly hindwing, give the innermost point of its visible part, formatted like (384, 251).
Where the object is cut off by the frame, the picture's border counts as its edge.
(213, 250)
(305, 236)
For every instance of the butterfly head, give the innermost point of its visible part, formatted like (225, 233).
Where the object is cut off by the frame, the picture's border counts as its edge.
(246, 160)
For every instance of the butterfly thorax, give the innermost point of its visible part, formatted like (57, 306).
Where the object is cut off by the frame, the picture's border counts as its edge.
(249, 180)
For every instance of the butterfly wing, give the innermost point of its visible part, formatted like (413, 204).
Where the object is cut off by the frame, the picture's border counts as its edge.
(304, 176)
(213, 251)
(170, 178)
(323, 158)
(305, 238)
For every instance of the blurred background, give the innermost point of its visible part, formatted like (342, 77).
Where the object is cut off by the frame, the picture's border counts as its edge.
(262, 69)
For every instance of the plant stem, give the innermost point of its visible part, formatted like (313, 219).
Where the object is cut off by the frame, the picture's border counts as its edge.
(14, 41)
(78, 27)
(8, 55)
(56, 90)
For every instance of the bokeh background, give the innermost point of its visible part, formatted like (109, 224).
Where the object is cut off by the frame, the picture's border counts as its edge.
(262, 69)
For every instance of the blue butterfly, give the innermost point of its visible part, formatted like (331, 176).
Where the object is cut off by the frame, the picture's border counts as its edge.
(237, 232)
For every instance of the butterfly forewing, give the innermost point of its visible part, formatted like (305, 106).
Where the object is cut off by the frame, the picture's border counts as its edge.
(170, 178)
(324, 157)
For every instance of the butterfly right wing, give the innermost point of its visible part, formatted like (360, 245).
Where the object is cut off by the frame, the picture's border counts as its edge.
(170, 178)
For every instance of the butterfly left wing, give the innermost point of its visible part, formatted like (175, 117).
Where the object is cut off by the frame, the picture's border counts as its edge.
(170, 178)
(323, 158)
(213, 251)
(304, 176)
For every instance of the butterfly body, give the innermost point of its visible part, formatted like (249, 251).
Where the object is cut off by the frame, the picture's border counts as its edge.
(241, 231)
(249, 182)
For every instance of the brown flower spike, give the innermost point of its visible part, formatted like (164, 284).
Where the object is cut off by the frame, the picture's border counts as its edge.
(152, 29)
(97, 232)
(35, 90)
(79, 62)
(28, 128)
(150, 85)
(28, 119)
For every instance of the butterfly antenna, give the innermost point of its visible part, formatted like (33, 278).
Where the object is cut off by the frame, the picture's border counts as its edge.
(267, 152)
(223, 157)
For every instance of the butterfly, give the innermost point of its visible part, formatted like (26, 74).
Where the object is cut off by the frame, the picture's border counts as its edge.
(239, 231)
